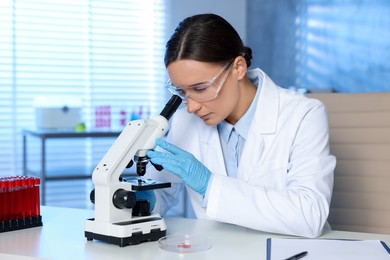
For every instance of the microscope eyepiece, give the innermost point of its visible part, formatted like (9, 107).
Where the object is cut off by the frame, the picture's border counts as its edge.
(171, 107)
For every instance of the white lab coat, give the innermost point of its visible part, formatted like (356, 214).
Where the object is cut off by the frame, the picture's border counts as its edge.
(285, 175)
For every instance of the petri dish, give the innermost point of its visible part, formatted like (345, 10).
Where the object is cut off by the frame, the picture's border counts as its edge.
(185, 243)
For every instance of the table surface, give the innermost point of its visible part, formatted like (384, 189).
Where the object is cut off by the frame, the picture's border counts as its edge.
(62, 237)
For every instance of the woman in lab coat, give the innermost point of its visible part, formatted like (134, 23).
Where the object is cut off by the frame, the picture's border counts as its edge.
(248, 152)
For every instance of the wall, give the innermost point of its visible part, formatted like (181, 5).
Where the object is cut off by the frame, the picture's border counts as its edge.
(340, 46)
(344, 45)
(271, 35)
(234, 11)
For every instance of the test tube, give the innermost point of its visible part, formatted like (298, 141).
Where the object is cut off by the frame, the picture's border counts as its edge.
(23, 197)
(6, 200)
(37, 210)
(2, 200)
(18, 197)
(30, 197)
(11, 199)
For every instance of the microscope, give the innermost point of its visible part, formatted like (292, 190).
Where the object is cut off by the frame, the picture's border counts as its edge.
(120, 218)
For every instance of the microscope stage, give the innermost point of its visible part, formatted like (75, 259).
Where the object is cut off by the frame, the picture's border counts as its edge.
(139, 184)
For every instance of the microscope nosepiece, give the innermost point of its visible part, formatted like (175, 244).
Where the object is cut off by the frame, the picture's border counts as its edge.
(141, 165)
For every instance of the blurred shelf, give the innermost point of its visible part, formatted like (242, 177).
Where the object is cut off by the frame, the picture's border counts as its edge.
(46, 174)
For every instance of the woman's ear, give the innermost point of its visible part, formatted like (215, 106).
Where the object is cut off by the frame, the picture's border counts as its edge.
(240, 67)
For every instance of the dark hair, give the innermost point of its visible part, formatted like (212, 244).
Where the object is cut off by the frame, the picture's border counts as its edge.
(205, 38)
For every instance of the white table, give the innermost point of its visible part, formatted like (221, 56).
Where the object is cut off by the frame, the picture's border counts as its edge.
(62, 237)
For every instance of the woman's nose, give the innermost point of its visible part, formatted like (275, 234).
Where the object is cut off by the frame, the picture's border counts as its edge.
(192, 106)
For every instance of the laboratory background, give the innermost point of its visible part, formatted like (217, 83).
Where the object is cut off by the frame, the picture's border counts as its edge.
(92, 65)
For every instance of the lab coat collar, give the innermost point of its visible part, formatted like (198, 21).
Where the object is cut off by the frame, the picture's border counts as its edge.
(211, 150)
(268, 104)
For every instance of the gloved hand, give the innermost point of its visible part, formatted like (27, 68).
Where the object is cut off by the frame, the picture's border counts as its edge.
(147, 195)
(183, 164)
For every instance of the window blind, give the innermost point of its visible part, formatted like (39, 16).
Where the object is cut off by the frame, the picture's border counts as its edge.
(7, 93)
(343, 45)
(101, 52)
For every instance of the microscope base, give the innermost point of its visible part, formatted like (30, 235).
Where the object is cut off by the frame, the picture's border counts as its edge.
(126, 233)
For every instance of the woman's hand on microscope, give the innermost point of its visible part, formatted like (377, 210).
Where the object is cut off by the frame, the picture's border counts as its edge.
(183, 164)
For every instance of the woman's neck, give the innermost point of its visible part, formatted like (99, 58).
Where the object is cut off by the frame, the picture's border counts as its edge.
(247, 94)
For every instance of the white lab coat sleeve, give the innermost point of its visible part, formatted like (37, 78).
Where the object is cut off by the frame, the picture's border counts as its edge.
(300, 206)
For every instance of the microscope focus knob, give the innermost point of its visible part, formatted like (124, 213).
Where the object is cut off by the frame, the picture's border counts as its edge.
(124, 199)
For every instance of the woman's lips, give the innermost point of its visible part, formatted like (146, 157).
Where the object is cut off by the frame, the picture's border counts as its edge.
(206, 117)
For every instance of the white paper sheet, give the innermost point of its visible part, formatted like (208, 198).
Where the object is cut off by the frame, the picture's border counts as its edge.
(326, 249)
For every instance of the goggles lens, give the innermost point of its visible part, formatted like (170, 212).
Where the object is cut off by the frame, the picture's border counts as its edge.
(204, 91)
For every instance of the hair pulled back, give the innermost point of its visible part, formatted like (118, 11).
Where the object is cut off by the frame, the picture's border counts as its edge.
(205, 38)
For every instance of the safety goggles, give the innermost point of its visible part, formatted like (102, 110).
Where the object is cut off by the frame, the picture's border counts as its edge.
(203, 91)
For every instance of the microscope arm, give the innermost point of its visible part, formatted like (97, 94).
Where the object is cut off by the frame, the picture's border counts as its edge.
(135, 140)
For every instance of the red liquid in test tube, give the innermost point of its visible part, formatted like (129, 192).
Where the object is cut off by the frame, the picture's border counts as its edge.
(23, 196)
(30, 197)
(6, 206)
(2, 200)
(11, 199)
(18, 197)
(37, 210)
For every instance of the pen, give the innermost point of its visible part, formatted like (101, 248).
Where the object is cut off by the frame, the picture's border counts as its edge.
(297, 256)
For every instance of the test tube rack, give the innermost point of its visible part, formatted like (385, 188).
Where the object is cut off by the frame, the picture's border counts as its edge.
(19, 203)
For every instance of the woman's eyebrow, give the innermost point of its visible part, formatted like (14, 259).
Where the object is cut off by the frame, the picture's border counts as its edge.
(200, 83)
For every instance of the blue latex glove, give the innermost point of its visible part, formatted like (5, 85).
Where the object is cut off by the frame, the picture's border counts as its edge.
(147, 195)
(183, 164)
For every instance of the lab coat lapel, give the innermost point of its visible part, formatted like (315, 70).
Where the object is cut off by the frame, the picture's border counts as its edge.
(264, 122)
(267, 111)
(211, 150)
